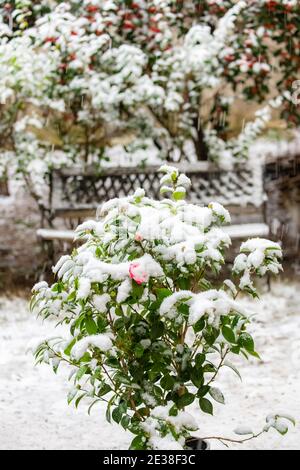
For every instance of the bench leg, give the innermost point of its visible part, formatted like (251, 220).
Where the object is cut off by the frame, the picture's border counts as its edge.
(48, 255)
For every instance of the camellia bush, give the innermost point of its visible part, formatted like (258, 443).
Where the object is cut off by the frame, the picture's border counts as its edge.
(151, 323)
(82, 82)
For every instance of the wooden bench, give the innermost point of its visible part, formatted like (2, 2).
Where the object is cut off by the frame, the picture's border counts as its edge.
(75, 196)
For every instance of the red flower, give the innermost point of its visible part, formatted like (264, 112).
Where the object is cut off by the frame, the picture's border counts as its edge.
(92, 8)
(229, 58)
(272, 5)
(154, 29)
(137, 273)
(128, 25)
(51, 39)
(290, 26)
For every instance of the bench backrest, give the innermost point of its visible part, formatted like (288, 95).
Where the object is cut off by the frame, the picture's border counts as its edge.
(76, 193)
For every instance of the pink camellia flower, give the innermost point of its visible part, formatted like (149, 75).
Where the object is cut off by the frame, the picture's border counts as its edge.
(137, 273)
(138, 237)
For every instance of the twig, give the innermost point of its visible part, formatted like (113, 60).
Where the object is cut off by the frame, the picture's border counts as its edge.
(234, 441)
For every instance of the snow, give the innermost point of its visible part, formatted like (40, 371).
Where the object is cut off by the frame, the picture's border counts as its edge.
(260, 255)
(247, 230)
(260, 244)
(101, 341)
(124, 290)
(84, 288)
(243, 430)
(212, 302)
(140, 269)
(143, 268)
(100, 302)
(35, 414)
(220, 211)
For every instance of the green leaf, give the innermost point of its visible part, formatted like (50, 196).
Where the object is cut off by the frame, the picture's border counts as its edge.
(72, 296)
(209, 368)
(138, 350)
(178, 195)
(117, 415)
(167, 382)
(246, 341)
(184, 310)
(217, 395)
(228, 334)
(92, 404)
(199, 325)
(185, 400)
(290, 418)
(137, 443)
(78, 400)
(197, 377)
(184, 283)
(254, 354)
(68, 349)
(137, 290)
(232, 367)
(80, 373)
(123, 406)
(122, 378)
(199, 359)
(281, 427)
(173, 411)
(104, 389)
(235, 350)
(119, 324)
(203, 391)
(90, 326)
(108, 413)
(162, 293)
(125, 421)
(206, 405)
(71, 395)
(157, 330)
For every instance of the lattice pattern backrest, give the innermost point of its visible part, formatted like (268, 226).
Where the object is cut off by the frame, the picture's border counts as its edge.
(80, 191)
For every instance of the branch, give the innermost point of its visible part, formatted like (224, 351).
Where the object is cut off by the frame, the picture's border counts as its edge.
(219, 367)
(234, 441)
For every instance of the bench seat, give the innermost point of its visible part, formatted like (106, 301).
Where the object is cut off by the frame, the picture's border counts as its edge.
(240, 231)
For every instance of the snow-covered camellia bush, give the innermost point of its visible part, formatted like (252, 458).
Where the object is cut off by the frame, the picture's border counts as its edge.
(151, 324)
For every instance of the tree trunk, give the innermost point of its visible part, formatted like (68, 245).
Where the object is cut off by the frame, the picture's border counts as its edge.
(4, 187)
(200, 145)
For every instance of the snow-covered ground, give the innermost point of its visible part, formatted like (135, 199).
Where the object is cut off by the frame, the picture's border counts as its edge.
(34, 413)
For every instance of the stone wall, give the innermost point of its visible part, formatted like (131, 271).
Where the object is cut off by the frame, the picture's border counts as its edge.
(20, 252)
